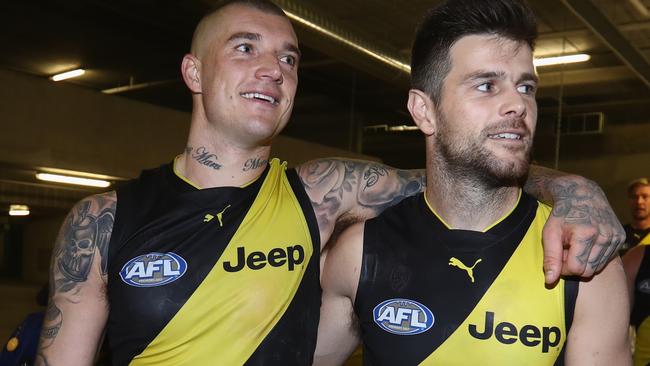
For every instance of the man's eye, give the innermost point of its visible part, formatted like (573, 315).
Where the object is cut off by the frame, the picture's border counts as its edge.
(246, 48)
(485, 87)
(289, 60)
(526, 89)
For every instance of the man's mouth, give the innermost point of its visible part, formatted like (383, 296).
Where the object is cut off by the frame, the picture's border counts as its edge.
(505, 136)
(260, 96)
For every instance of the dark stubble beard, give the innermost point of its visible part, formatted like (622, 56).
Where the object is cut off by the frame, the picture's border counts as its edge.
(468, 159)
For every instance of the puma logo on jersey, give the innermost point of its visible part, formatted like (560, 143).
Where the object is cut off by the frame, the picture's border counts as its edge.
(507, 333)
(291, 256)
(219, 216)
(453, 261)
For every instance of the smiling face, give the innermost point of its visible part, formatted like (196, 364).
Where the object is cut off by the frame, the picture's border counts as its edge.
(486, 118)
(247, 73)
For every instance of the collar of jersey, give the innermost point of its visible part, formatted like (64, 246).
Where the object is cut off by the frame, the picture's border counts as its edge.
(188, 181)
(482, 231)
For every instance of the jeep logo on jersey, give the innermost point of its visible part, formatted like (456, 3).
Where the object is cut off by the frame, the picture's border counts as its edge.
(507, 333)
(153, 269)
(276, 257)
(403, 317)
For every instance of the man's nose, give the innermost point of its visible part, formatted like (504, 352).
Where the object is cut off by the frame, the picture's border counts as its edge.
(269, 69)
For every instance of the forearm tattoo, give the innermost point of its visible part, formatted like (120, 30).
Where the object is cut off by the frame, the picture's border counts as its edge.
(363, 189)
(582, 204)
(51, 325)
(585, 204)
(203, 157)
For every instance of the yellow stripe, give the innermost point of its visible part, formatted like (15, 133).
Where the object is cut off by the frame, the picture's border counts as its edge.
(518, 296)
(230, 314)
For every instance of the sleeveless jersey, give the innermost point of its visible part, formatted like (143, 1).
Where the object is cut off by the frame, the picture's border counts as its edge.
(640, 316)
(430, 295)
(218, 276)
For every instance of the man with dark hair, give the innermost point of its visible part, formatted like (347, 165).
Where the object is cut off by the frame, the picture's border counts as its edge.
(214, 258)
(453, 276)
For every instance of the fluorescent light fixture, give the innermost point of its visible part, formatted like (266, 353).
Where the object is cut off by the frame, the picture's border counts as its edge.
(68, 179)
(374, 54)
(68, 74)
(567, 59)
(18, 210)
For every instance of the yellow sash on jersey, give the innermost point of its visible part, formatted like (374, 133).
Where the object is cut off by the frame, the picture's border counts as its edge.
(517, 295)
(645, 240)
(231, 313)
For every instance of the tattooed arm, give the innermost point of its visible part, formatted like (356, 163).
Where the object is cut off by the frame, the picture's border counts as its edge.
(348, 191)
(78, 308)
(580, 237)
(583, 233)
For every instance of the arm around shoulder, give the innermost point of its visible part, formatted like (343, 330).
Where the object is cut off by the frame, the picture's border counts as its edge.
(599, 333)
(338, 329)
(78, 308)
(355, 190)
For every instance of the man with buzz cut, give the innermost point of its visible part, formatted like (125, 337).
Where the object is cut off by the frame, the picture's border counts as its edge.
(213, 259)
(453, 276)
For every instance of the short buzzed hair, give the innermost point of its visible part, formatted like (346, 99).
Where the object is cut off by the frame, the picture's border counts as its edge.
(443, 26)
(264, 6)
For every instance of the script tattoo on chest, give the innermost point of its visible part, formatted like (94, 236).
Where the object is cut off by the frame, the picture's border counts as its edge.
(204, 157)
(254, 163)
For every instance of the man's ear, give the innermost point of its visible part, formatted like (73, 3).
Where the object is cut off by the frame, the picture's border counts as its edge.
(422, 111)
(191, 71)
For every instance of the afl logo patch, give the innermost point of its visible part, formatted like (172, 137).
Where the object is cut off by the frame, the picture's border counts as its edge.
(644, 286)
(403, 317)
(153, 269)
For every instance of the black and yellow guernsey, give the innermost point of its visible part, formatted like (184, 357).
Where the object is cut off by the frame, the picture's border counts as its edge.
(429, 295)
(219, 276)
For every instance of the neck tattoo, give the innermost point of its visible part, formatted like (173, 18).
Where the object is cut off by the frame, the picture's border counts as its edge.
(254, 163)
(203, 157)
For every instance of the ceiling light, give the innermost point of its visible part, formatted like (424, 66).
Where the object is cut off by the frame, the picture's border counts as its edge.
(68, 74)
(351, 43)
(68, 179)
(567, 59)
(18, 210)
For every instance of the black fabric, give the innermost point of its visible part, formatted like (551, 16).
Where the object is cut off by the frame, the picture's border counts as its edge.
(632, 237)
(571, 287)
(641, 308)
(403, 247)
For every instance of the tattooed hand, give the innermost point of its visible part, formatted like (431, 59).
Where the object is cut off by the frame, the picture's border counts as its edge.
(77, 308)
(583, 233)
(351, 191)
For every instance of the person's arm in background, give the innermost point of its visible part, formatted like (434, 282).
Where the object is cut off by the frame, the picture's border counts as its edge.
(78, 308)
(580, 237)
(599, 333)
